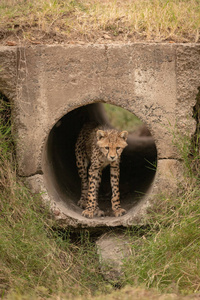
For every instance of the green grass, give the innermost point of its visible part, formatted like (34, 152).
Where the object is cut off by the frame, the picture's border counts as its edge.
(167, 257)
(121, 118)
(99, 21)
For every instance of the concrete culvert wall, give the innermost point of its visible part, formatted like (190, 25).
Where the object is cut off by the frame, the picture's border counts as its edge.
(138, 165)
(55, 89)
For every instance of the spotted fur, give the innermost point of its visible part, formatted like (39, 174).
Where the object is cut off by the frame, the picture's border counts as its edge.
(98, 147)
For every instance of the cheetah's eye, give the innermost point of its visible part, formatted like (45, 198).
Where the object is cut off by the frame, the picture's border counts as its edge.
(107, 148)
(117, 148)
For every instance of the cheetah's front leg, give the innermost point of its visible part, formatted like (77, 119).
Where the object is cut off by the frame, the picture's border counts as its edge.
(92, 209)
(114, 179)
(82, 163)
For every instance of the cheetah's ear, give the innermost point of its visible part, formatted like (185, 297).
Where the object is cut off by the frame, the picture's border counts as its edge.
(124, 135)
(100, 134)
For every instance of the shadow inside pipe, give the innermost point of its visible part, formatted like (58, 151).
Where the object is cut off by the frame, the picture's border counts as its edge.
(137, 168)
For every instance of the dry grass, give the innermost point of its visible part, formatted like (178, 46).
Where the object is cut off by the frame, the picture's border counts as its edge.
(100, 21)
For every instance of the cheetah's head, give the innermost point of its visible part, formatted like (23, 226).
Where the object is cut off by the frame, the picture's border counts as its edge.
(111, 143)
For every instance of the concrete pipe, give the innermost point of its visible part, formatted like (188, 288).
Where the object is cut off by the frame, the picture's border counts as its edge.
(55, 89)
(138, 166)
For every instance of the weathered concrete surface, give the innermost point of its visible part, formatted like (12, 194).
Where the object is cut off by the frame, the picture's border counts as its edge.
(56, 79)
(187, 76)
(8, 72)
(157, 82)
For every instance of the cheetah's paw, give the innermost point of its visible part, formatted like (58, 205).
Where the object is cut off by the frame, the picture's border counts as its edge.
(119, 212)
(88, 213)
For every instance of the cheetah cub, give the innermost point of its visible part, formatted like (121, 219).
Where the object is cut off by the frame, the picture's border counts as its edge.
(97, 147)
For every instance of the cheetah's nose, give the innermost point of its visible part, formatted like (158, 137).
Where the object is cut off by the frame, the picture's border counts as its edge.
(112, 157)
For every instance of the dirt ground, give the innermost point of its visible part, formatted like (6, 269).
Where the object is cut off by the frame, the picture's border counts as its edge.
(33, 36)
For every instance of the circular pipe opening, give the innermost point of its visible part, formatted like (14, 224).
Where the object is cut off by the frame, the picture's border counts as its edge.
(137, 168)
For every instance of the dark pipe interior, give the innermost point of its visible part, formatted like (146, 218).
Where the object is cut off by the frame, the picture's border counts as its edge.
(138, 159)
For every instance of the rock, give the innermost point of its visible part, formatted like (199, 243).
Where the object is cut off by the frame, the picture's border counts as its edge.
(112, 249)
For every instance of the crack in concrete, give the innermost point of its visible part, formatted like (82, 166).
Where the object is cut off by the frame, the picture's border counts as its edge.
(170, 158)
(106, 56)
(103, 72)
(40, 172)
